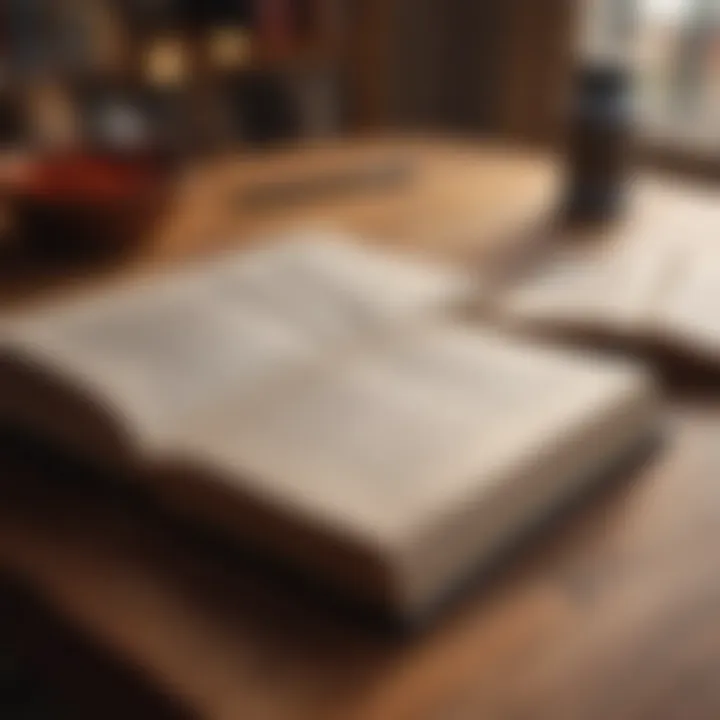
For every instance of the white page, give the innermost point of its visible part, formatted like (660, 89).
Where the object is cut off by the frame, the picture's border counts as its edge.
(340, 289)
(612, 288)
(171, 348)
(397, 434)
(690, 311)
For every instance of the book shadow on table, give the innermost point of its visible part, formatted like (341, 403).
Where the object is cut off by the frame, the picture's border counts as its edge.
(49, 479)
(50, 670)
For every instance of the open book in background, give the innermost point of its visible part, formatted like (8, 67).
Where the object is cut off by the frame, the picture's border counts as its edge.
(657, 284)
(317, 400)
(608, 290)
(658, 295)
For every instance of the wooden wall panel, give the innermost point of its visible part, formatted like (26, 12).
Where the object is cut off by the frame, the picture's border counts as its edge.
(499, 67)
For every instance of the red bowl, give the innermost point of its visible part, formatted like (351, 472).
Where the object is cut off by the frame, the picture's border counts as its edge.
(87, 205)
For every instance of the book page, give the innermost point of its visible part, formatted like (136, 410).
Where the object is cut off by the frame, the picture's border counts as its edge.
(392, 435)
(339, 289)
(612, 288)
(689, 313)
(174, 347)
(172, 357)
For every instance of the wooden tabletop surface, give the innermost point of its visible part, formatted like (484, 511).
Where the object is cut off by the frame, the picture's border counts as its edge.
(610, 612)
(448, 198)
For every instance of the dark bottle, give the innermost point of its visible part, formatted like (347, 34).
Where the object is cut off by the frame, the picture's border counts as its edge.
(600, 143)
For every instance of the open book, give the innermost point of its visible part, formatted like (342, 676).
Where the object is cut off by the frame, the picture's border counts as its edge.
(657, 283)
(316, 399)
(664, 294)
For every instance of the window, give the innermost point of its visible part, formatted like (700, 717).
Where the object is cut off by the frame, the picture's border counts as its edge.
(679, 70)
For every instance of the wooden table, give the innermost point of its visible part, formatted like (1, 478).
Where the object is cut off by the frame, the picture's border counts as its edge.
(453, 199)
(611, 612)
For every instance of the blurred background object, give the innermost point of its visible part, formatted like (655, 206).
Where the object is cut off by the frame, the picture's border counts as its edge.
(408, 64)
(344, 65)
(85, 205)
(105, 83)
(190, 49)
(680, 61)
(182, 81)
(602, 114)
